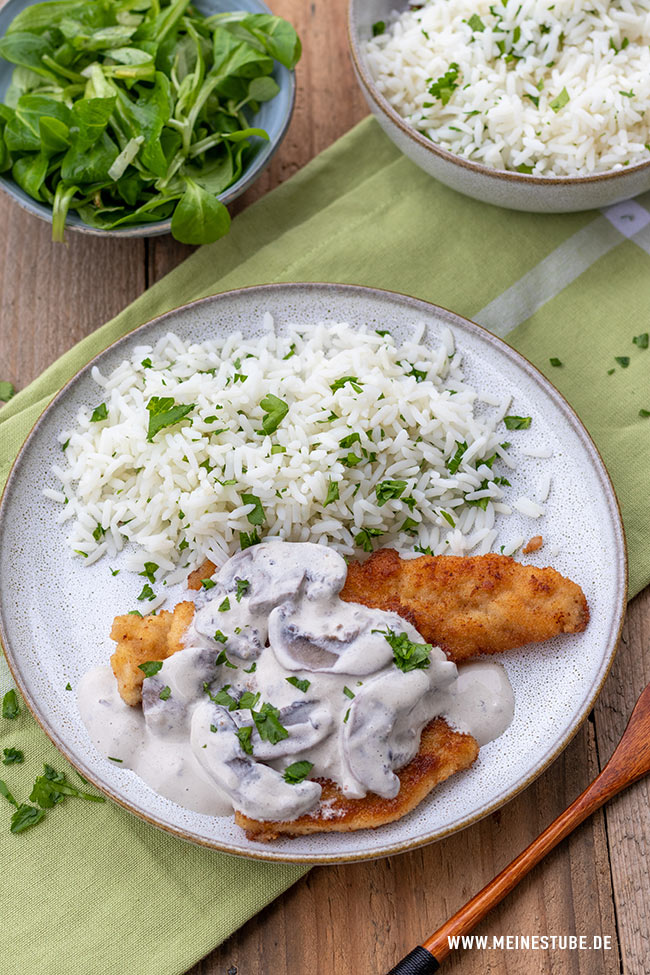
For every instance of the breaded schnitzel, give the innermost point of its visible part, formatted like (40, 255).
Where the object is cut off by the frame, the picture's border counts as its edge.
(472, 605)
(468, 606)
(442, 753)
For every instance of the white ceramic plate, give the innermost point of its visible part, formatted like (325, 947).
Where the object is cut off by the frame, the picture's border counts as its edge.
(56, 613)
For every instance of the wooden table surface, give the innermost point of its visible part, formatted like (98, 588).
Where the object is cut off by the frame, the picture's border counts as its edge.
(359, 919)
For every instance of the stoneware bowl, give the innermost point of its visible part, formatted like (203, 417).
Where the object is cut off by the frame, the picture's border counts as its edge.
(56, 613)
(507, 189)
(273, 116)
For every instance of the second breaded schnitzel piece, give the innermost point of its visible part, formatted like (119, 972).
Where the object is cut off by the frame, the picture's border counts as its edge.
(472, 605)
(442, 753)
(140, 639)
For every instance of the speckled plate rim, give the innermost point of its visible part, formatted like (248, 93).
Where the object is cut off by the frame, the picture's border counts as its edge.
(425, 308)
(260, 162)
(370, 88)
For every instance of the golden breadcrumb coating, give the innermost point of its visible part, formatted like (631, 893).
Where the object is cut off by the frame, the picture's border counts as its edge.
(473, 605)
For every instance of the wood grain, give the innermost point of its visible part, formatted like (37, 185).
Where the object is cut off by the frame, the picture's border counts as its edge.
(361, 918)
(630, 762)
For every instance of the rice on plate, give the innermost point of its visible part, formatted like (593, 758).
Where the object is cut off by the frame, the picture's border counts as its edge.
(333, 435)
(547, 89)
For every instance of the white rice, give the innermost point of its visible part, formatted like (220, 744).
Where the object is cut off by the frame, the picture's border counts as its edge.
(549, 88)
(180, 497)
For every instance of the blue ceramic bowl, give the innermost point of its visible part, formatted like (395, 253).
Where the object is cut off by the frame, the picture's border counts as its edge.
(273, 117)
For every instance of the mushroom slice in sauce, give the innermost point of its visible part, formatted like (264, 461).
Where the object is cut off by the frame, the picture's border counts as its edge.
(255, 789)
(308, 723)
(386, 720)
(334, 637)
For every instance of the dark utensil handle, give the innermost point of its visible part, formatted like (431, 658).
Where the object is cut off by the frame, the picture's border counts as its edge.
(417, 962)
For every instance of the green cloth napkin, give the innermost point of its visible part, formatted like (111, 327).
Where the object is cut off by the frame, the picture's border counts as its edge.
(92, 889)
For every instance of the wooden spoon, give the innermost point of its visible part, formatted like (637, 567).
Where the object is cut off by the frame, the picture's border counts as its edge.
(630, 762)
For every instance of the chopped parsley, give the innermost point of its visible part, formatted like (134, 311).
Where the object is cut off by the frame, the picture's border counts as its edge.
(53, 787)
(278, 449)
(246, 539)
(352, 438)
(389, 490)
(448, 518)
(446, 84)
(297, 772)
(134, 612)
(644, 414)
(99, 413)
(383, 332)
(146, 363)
(251, 669)
(268, 724)
(256, 516)
(453, 464)
(352, 380)
(476, 23)
(222, 697)
(244, 735)
(68, 686)
(332, 493)
(560, 101)
(623, 360)
(349, 693)
(149, 571)
(7, 391)
(641, 340)
(98, 532)
(275, 410)
(225, 605)
(147, 593)
(150, 667)
(24, 817)
(302, 684)
(10, 707)
(12, 756)
(523, 168)
(4, 791)
(517, 422)
(220, 637)
(164, 412)
(290, 353)
(406, 654)
(351, 460)
(365, 536)
(555, 362)
(165, 694)
(410, 526)
(222, 658)
(378, 28)
(243, 586)
(208, 583)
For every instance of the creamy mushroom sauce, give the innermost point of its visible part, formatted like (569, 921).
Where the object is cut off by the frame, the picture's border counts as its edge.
(359, 719)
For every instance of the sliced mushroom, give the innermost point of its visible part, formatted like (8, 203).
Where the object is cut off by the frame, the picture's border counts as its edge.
(351, 642)
(255, 789)
(307, 722)
(385, 723)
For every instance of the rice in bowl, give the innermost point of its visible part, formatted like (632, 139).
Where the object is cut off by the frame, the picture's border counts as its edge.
(540, 88)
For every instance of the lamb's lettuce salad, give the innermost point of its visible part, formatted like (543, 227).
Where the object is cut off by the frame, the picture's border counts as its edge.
(132, 111)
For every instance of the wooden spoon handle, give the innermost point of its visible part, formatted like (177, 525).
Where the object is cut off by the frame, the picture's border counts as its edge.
(630, 762)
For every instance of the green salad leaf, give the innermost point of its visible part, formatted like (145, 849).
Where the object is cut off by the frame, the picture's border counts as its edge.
(130, 113)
